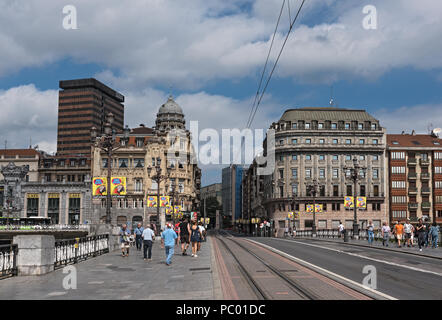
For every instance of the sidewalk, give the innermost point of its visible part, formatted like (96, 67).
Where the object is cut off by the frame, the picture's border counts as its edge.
(428, 252)
(113, 277)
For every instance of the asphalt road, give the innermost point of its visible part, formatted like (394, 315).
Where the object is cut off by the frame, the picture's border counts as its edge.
(398, 275)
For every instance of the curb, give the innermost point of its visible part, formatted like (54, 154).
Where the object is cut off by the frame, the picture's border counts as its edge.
(371, 247)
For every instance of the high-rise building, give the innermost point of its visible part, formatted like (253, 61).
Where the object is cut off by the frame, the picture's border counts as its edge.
(84, 103)
(231, 191)
(415, 172)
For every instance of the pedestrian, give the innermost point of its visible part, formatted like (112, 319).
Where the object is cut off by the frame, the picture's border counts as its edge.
(434, 232)
(420, 230)
(168, 237)
(138, 236)
(399, 232)
(124, 240)
(341, 229)
(294, 232)
(370, 232)
(408, 228)
(427, 231)
(195, 236)
(203, 235)
(286, 232)
(385, 234)
(148, 237)
(184, 236)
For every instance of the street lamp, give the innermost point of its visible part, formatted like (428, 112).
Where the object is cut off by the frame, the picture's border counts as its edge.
(312, 190)
(158, 177)
(107, 143)
(353, 173)
(173, 193)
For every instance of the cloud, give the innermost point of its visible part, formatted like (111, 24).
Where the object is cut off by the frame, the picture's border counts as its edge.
(188, 44)
(28, 113)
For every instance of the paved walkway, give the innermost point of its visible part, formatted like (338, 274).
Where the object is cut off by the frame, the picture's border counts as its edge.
(429, 251)
(113, 277)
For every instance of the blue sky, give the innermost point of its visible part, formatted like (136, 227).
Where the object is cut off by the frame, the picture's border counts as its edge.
(211, 53)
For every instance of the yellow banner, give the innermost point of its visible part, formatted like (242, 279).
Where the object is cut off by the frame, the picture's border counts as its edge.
(151, 201)
(169, 210)
(118, 186)
(309, 208)
(348, 202)
(99, 186)
(33, 196)
(362, 202)
(177, 209)
(318, 208)
(164, 201)
(290, 215)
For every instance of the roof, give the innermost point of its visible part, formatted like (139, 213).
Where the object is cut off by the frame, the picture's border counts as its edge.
(19, 152)
(326, 113)
(413, 141)
(88, 83)
(142, 130)
(170, 107)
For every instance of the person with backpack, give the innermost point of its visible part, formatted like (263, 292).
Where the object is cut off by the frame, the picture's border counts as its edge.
(434, 232)
(195, 236)
(184, 236)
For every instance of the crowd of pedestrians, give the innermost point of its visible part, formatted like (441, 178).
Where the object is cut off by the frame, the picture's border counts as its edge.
(185, 233)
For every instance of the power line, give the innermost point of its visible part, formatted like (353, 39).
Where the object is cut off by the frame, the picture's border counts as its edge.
(276, 62)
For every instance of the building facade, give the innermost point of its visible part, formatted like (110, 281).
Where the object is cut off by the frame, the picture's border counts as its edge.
(212, 191)
(83, 104)
(415, 177)
(231, 192)
(317, 144)
(171, 143)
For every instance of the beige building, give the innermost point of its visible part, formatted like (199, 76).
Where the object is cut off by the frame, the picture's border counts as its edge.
(22, 157)
(171, 143)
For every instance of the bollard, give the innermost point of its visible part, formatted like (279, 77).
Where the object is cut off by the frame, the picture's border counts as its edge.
(345, 236)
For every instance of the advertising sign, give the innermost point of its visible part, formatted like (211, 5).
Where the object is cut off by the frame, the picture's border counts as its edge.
(309, 208)
(99, 186)
(348, 203)
(169, 210)
(177, 209)
(164, 201)
(318, 208)
(118, 186)
(361, 202)
(152, 201)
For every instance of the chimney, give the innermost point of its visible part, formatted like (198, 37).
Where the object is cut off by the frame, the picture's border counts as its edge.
(413, 133)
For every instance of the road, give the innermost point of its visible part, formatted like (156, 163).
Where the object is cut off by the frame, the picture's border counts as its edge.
(399, 275)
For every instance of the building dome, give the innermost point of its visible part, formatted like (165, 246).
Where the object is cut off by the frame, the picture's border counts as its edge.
(170, 116)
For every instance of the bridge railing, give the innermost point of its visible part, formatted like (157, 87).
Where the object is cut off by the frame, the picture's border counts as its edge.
(55, 227)
(8, 260)
(72, 251)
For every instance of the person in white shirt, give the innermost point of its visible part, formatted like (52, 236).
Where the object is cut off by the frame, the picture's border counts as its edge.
(148, 237)
(341, 228)
(408, 229)
(386, 231)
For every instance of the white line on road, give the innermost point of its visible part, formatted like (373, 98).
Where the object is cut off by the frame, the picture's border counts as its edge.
(365, 257)
(332, 274)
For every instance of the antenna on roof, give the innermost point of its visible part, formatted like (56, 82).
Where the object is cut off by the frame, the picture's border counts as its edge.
(332, 102)
(430, 128)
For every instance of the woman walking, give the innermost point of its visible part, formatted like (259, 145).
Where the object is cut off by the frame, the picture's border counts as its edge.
(195, 236)
(420, 230)
(385, 234)
(370, 232)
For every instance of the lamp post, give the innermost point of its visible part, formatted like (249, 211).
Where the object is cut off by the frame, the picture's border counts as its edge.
(353, 173)
(312, 190)
(107, 143)
(158, 177)
(173, 193)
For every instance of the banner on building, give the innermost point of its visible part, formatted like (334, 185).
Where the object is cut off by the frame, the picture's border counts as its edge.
(164, 201)
(290, 215)
(151, 201)
(169, 210)
(348, 202)
(99, 186)
(318, 208)
(177, 209)
(361, 202)
(118, 186)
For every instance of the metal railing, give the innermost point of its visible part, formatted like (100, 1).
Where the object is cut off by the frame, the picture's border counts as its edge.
(8, 260)
(75, 250)
(55, 227)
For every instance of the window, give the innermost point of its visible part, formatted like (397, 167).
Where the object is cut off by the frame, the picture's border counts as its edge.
(335, 157)
(154, 185)
(48, 177)
(181, 185)
(104, 163)
(375, 141)
(335, 173)
(281, 173)
(376, 191)
(438, 169)
(138, 185)
(360, 126)
(438, 185)
(322, 173)
(281, 191)
(281, 142)
(307, 125)
(348, 157)
(362, 158)
(139, 162)
(123, 162)
(374, 126)
(399, 213)
(335, 191)
(294, 173)
(347, 126)
(295, 157)
(308, 173)
(72, 163)
(320, 126)
(294, 126)
(281, 158)
(321, 141)
(334, 126)
(362, 191)
(294, 141)
(308, 157)
(322, 193)
(399, 199)
(139, 142)
(361, 141)
(347, 141)
(398, 184)
(375, 158)
(362, 173)
(321, 157)
(398, 155)
(335, 141)
(294, 189)
(397, 170)
(438, 155)
(308, 141)
(349, 190)
(375, 173)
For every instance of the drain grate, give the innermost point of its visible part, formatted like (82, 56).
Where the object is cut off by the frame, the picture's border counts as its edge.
(200, 269)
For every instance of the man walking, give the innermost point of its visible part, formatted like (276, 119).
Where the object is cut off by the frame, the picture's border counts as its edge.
(399, 231)
(138, 233)
(168, 242)
(420, 230)
(434, 232)
(148, 237)
(385, 234)
(408, 228)
(341, 229)
(184, 236)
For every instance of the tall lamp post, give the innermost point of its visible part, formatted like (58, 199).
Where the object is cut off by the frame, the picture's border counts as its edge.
(312, 190)
(158, 177)
(353, 173)
(173, 193)
(107, 143)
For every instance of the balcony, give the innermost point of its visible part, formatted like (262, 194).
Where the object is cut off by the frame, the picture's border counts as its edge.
(424, 162)
(425, 176)
(426, 205)
(412, 190)
(412, 176)
(412, 162)
(413, 206)
(425, 190)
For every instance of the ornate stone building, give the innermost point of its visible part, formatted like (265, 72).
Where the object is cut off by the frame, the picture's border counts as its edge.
(317, 144)
(171, 143)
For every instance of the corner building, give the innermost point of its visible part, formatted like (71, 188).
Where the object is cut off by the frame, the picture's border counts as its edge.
(317, 144)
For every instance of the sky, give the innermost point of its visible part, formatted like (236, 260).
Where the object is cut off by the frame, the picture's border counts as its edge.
(210, 54)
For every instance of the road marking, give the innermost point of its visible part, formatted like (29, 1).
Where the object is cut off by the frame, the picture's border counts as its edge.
(57, 293)
(368, 258)
(308, 264)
